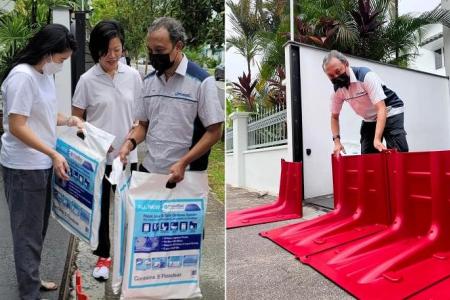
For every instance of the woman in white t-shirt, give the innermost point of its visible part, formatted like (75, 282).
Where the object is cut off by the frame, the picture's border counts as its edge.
(28, 150)
(105, 96)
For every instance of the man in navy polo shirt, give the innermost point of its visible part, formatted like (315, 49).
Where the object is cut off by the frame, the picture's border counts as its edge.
(381, 109)
(180, 115)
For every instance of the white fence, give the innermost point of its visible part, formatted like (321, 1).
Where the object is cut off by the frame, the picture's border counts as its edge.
(267, 128)
(250, 167)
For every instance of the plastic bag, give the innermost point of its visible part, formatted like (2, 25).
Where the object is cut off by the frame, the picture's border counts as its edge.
(164, 236)
(122, 179)
(76, 202)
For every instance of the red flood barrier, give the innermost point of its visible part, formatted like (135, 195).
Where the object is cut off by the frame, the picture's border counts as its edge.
(79, 288)
(409, 258)
(287, 206)
(361, 208)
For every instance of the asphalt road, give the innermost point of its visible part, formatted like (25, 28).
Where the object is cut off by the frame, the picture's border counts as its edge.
(259, 269)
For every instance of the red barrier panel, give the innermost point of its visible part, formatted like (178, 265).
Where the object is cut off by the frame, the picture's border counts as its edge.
(411, 257)
(79, 289)
(438, 291)
(287, 206)
(361, 208)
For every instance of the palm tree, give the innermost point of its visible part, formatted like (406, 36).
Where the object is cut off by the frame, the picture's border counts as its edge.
(14, 32)
(17, 26)
(246, 26)
(366, 28)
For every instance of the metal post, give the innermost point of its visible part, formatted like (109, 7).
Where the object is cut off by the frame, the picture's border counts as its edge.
(291, 18)
(294, 104)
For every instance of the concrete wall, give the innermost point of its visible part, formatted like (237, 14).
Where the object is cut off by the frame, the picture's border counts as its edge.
(263, 168)
(230, 165)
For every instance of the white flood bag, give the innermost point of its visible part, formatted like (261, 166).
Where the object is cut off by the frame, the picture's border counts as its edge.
(122, 179)
(164, 236)
(76, 202)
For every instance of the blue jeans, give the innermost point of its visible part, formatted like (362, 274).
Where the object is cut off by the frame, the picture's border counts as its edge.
(28, 193)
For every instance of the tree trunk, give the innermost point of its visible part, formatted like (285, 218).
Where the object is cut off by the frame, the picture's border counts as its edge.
(397, 52)
(33, 14)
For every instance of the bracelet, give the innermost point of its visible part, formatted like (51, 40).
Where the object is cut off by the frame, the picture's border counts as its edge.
(133, 141)
(335, 137)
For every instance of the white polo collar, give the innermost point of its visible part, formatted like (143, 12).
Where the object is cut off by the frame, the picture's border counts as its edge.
(99, 70)
(182, 67)
(352, 75)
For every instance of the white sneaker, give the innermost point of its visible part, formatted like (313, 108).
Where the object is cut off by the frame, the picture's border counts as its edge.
(101, 270)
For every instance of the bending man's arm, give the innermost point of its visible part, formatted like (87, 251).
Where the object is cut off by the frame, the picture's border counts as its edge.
(381, 122)
(335, 129)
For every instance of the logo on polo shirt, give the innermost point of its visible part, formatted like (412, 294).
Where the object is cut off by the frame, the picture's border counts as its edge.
(361, 93)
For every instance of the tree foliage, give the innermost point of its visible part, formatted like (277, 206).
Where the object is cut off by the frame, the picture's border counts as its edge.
(202, 19)
(17, 26)
(366, 28)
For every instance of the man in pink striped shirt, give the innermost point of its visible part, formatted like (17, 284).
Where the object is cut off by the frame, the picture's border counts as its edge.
(380, 108)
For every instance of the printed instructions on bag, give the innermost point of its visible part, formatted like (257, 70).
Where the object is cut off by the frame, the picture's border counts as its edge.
(167, 240)
(74, 198)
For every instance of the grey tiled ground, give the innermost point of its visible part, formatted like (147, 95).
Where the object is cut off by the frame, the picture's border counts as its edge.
(259, 269)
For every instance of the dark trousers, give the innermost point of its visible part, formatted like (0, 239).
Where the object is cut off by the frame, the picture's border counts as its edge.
(28, 193)
(104, 243)
(394, 133)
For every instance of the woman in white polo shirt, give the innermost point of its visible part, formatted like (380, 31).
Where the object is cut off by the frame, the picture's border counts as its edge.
(28, 148)
(105, 94)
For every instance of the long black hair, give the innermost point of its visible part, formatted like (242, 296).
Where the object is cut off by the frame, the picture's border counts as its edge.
(102, 33)
(53, 38)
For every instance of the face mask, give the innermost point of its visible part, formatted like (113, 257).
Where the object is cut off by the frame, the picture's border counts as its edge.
(51, 67)
(161, 62)
(341, 81)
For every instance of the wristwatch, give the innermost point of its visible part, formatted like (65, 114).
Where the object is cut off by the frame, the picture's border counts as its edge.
(337, 136)
(133, 141)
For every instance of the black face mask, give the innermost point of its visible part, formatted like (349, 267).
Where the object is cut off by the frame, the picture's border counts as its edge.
(341, 81)
(161, 62)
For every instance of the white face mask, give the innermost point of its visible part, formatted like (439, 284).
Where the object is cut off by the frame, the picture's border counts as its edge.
(51, 67)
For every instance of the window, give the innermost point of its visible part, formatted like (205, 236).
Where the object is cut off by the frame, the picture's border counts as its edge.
(438, 58)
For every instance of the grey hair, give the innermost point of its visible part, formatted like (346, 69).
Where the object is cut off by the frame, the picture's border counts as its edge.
(334, 54)
(173, 26)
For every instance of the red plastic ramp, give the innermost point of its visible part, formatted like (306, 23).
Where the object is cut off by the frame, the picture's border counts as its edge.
(361, 208)
(438, 291)
(287, 206)
(413, 253)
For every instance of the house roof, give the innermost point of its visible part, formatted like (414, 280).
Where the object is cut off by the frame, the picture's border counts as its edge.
(431, 39)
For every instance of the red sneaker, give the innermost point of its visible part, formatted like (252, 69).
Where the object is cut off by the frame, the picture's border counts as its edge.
(101, 270)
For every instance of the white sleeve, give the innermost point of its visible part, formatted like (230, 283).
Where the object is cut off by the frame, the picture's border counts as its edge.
(19, 94)
(80, 98)
(210, 107)
(374, 87)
